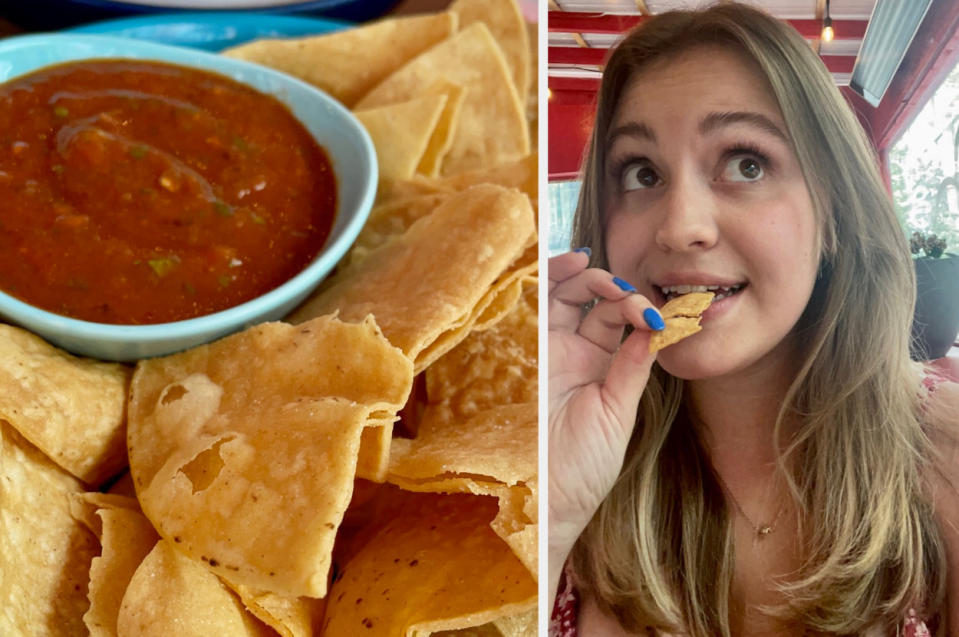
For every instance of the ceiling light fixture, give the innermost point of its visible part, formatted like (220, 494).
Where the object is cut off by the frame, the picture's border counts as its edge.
(827, 32)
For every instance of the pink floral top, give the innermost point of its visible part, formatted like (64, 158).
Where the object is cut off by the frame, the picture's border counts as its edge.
(563, 620)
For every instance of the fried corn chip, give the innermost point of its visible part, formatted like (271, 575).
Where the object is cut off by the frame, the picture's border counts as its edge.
(691, 305)
(491, 453)
(45, 553)
(170, 594)
(432, 543)
(71, 408)
(126, 537)
(681, 316)
(496, 366)
(442, 139)
(288, 616)
(391, 219)
(498, 444)
(221, 449)
(521, 174)
(521, 625)
(401, 133)
(407, 201)
(428, 285)
(492, 125)
(348, 63)
(505, 21)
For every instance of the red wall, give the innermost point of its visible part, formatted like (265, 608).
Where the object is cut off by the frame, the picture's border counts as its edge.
(570, 124)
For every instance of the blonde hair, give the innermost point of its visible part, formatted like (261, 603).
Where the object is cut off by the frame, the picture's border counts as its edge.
(660, 550)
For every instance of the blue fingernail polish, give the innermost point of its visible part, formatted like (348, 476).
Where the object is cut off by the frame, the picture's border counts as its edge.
(623, 285)
(585, 250)
(653, 319)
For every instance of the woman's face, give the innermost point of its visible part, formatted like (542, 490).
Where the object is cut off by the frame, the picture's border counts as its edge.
(704, 189)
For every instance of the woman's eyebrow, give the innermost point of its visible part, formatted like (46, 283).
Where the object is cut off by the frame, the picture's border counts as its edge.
(715, 121)
(630, 129)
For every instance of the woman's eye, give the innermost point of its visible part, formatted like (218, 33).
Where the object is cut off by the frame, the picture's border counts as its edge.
(637, 176)
(743, 168)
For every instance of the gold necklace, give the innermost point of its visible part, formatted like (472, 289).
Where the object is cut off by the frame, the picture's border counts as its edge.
(761, 531)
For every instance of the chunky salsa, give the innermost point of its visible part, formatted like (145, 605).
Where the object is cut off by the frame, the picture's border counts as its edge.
(137, 192)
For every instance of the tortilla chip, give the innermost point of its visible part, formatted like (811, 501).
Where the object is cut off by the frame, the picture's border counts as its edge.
(492, 453)
(71, 408)
(499, 444)
(681, 315)
(347, 64)
(126, 538)
(123, 486)
(374, 453)
(517, 523)
(430, 281)
(521, 174)
(288, 616)
(677, 329)
(442, 139)
(45, 554)
(494, 305)
(433, 565)
(690, 305)
(249, 467)
(170, 594)
(521, 625)
(492, 125)
(496, 366)
(390, 220)
(401, 133)
(505, 21)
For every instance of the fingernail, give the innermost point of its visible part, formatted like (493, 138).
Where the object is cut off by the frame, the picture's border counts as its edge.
(585, 250)
(623, 285)
(653, 319)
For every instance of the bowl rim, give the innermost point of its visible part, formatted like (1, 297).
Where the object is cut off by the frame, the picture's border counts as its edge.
(41, 321)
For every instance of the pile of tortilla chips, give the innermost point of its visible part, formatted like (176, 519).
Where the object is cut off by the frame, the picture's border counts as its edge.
(367, 466)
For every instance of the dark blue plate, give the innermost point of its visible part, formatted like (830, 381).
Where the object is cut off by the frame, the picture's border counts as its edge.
(211, 30)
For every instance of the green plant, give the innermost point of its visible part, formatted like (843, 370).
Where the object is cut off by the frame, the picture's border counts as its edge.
(929, 243)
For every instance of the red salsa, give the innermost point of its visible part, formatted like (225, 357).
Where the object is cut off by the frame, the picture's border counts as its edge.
(138, 192)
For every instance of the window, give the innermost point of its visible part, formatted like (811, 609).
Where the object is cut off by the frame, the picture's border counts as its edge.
(924, 167)
(563, 196)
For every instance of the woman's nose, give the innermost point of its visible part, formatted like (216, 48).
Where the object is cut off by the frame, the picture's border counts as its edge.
(688, 218)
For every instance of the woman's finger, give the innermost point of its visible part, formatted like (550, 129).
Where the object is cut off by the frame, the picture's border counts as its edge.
(627, 377)
(568, 297)
(603, 325)
(565, 265)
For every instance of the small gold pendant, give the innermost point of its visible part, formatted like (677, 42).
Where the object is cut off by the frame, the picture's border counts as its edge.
(764, 531)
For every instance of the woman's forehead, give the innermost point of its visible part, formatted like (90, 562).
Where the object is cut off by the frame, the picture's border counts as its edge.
(694, 82)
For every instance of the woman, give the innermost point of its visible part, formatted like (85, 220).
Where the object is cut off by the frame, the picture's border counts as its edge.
(787, 470)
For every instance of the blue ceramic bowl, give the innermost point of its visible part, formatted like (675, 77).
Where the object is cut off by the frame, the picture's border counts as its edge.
(349, 148)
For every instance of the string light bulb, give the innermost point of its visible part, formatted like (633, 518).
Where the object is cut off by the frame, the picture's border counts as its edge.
(827, 32)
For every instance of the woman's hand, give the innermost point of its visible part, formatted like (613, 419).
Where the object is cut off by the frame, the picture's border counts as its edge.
(595, 382)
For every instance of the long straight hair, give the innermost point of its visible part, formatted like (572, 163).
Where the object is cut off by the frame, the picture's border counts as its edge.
(659, 551)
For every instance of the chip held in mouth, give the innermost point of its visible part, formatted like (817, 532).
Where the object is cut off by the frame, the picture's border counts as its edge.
(682, 316)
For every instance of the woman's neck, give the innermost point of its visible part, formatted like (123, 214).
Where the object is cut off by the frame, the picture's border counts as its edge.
(736, 416)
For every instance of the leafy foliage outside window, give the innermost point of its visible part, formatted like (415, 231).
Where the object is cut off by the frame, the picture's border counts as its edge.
(924, 169)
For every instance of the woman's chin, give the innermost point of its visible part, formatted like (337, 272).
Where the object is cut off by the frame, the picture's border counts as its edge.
(692, 360)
